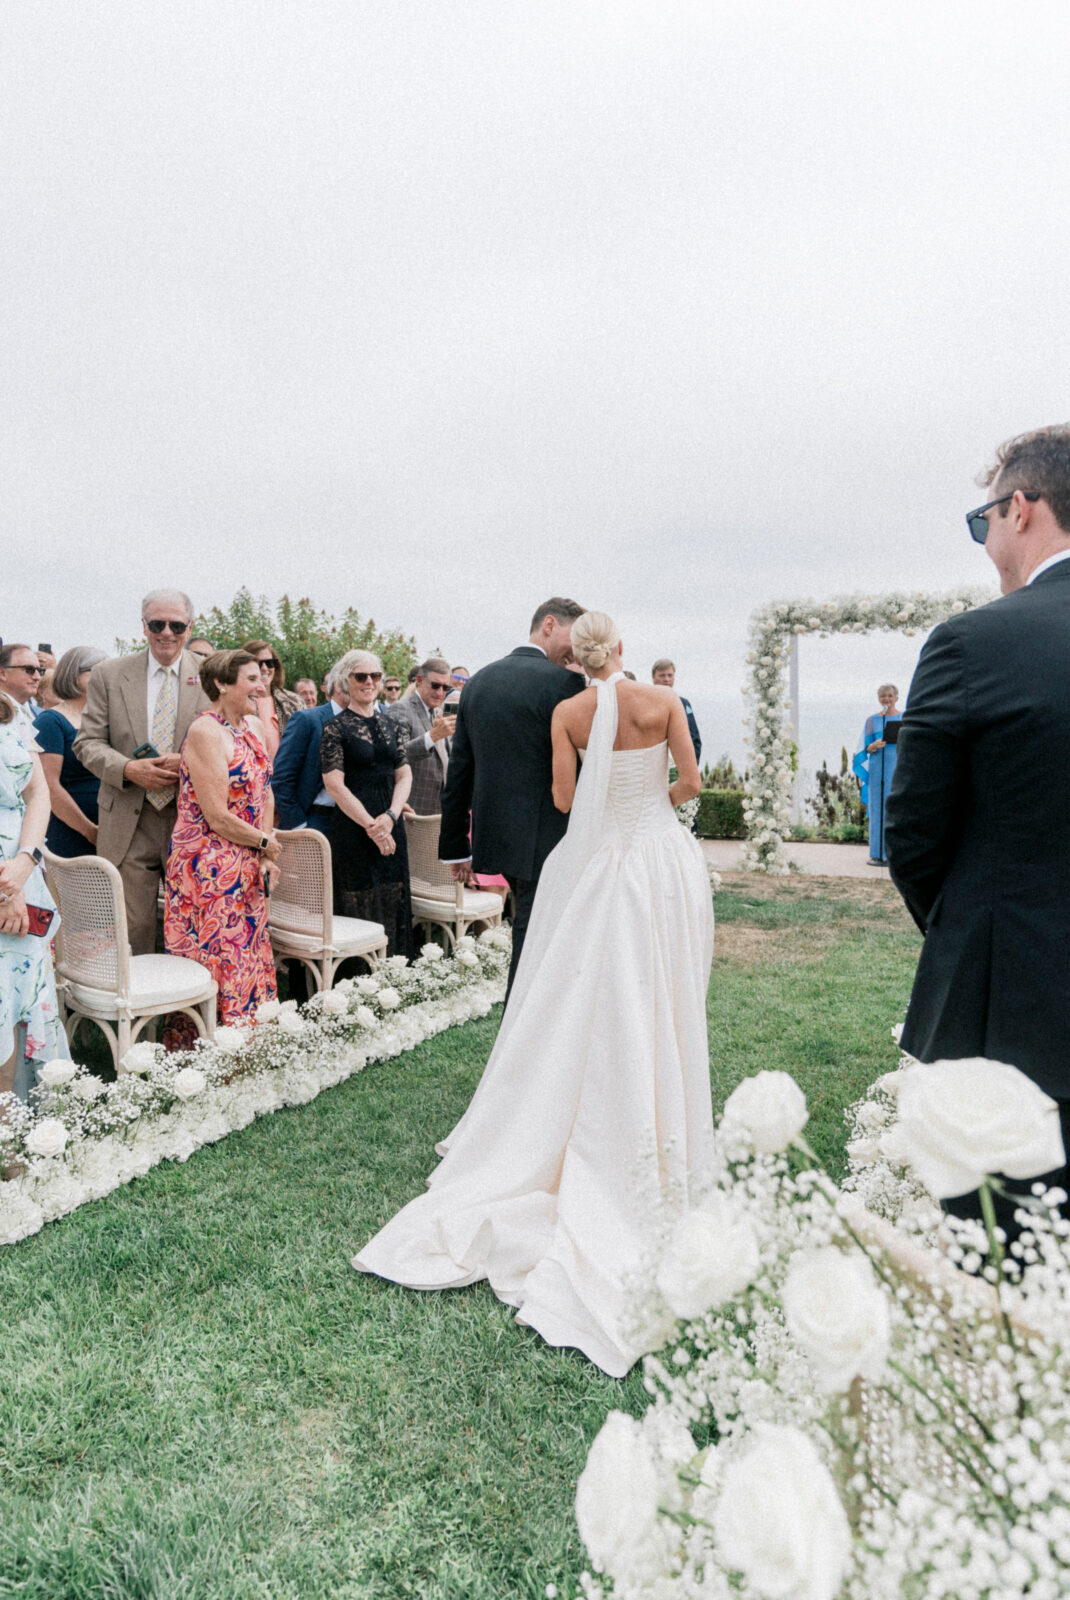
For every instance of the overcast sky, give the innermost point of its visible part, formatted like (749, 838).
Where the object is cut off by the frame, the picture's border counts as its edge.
(435, 309)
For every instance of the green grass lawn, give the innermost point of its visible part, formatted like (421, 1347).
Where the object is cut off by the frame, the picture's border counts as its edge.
(200, 1400)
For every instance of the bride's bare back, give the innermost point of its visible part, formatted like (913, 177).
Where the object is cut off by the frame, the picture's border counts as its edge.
(647, 715)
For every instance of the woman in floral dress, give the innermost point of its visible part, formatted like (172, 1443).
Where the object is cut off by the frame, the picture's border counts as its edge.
(30, 1028)
(223, 850)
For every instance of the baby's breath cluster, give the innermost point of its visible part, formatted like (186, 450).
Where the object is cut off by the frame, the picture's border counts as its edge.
(839, 1411)
(767, 809)
(79, 1138)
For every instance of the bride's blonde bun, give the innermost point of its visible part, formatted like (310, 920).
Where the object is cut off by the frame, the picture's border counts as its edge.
(594, 639)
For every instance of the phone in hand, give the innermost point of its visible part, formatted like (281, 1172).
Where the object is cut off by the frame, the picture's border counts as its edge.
(146, 752)
(46, 649)
(41, 918)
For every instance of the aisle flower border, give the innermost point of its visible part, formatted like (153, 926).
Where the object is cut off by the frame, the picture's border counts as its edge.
(767, 806)
(80, 1137)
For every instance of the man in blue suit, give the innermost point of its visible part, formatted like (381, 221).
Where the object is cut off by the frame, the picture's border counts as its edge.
(301, 801)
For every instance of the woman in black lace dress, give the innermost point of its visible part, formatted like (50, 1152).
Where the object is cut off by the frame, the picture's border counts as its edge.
(368, 778)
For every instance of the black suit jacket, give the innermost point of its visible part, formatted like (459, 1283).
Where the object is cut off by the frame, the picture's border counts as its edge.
(978, 834)
(501, 766)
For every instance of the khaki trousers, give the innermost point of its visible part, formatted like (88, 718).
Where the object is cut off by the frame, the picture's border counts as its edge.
(141, 870)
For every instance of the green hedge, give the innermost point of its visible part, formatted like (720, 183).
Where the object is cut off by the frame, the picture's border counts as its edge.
(720, 814)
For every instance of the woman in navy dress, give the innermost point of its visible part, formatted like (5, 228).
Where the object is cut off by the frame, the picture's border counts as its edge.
(72, 829)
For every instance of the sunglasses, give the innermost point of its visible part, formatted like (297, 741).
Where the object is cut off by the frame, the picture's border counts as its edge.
(33, 672)
(272, 663)
(443, 688)
(156, 626)
(366, 677)
(977, 521)
(460, 677)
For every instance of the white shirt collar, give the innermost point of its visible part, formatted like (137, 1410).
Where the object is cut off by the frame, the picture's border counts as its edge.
(1052, 561)
(533, 646)
(158, 668)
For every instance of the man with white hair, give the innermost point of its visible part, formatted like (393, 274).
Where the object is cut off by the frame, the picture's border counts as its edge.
(137, 714)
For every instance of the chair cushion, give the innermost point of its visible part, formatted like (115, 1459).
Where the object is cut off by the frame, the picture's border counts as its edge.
(154, 981)
(477, 903)
(351, 934)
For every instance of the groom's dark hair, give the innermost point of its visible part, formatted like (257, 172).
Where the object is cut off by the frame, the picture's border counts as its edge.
(561, 611)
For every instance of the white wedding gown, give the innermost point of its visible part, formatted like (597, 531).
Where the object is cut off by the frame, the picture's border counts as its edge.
(596, 1097)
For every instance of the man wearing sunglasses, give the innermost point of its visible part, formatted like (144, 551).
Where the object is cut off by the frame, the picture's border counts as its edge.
(977, 832)
(137, 714)
(427, 732)
(20, 675)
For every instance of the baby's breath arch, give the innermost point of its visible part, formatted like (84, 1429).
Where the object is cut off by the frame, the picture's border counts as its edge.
(772, 718)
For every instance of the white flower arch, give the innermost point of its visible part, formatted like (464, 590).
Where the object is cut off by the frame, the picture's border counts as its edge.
(774, 627)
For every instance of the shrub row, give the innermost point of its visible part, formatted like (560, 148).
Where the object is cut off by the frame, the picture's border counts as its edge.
(720, 814)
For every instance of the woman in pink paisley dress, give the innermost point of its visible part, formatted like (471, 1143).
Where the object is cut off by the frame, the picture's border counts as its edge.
(223, 849)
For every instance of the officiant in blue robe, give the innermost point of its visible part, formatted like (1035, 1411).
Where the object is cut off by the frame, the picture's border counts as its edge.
(874, 766)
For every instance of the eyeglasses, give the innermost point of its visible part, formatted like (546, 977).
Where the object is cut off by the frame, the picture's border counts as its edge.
(33, 672)
(977, 521)
(366, 677)
(460, 677)
(157, 626)
(270, 663)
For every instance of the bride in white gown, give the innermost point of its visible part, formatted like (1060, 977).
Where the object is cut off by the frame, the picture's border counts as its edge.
(596, 1097)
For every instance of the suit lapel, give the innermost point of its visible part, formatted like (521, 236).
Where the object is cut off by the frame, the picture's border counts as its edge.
(135, 692)
(189, 696)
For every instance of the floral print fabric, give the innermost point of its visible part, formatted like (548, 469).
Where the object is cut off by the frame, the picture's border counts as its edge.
(27, 981)
(215, 909)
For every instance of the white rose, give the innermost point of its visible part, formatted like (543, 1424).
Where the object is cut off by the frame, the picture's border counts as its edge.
(54, 1074)
(229, 1040)
(287, 1005)
(863, 1152)
(893, 1147)
(188, 1082)
(835, 1310)
(396, 963)
(88, 1088)
(268, 1011)
(962, 1120)
(365, 1016)
(803, 1549)
(958, 607)
(335, 1003)
(368, 985)
(467, 958)
(711, 1256)
(890, 1082)
(769, 1109)
(292, 1022)
(47, 1137)
(870, 1116)
(617, 1497)
(432, 951)
(140, 1057)
(389, 999)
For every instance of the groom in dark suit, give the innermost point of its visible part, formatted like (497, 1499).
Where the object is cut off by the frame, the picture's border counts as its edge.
(501, 767)
(978, 832)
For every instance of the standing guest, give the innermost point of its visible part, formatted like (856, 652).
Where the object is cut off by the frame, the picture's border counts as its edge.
(663, 672)
(45, 697)
(426, 735)
(278, 703)
(410, 683)
(368, 777)
(459, 676)
(301, 800)
(501, 765)
(223, 848)
(134, 701)
(30, 1028)
(72, 790)
(976, 832)
(874, 767)
(391, 689)
(20, 674)
(306, 691)
(201, 648)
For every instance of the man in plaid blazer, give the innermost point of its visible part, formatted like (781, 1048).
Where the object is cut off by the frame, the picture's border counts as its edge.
(427, 736)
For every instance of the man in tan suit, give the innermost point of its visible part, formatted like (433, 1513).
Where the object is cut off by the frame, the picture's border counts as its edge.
(145, 699)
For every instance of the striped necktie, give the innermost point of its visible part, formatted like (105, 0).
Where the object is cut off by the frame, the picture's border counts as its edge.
(163, 732)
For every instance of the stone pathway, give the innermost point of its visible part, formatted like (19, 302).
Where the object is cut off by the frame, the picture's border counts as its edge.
(819, 860)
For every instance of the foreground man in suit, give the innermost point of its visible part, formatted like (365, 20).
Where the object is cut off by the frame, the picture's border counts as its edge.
(501, 763)
(977, 832)
(135, 700)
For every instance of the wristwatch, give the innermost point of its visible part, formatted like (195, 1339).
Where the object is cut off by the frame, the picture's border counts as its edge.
(392, 817)
(35, 856)
(263, 842)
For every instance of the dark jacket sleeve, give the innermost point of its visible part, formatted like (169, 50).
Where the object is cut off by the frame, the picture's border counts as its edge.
(692, 728)
(928, 799)
(454, 843)
(297, 736)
